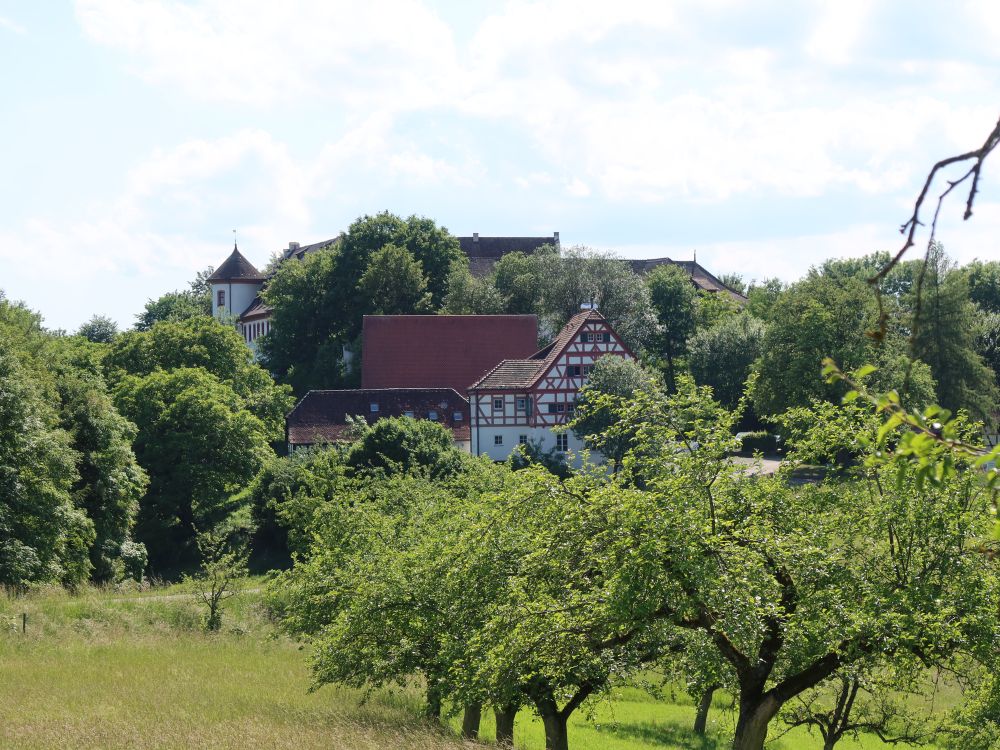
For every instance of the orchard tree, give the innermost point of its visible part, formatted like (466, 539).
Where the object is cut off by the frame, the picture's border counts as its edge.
(791, 584)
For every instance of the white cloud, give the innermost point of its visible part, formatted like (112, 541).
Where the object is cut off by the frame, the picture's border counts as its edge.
(6, 23)
(838, 29)
(261, 52)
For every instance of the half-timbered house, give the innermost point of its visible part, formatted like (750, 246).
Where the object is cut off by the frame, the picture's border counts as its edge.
(521, 400)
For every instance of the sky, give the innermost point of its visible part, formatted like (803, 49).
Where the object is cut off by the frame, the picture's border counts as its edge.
(765, 136)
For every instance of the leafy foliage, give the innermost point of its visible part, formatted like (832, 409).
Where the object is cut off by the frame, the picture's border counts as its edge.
(673, 297)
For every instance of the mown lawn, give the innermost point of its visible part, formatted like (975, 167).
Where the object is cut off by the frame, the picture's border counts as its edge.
(112, 670)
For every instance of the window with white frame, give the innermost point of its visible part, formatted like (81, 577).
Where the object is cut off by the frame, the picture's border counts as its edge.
(498, 440)
(522, 404)
(498, 404)
(522, 439)
(562, 442)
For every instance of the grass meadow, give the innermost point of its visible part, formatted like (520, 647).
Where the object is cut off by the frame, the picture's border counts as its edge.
(106, 669)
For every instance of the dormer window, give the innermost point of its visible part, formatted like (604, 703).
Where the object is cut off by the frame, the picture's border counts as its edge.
(457, 416)
(373, 407)
(432, 415)
(221, 297)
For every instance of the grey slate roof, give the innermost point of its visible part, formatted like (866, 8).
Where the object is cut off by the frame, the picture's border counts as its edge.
(236, 267)
(698, 274)
(484, 252)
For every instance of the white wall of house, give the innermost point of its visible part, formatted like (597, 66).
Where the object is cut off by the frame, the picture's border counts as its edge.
(238, 297)
(484, 440)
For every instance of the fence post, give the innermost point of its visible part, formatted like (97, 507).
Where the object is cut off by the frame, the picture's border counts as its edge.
(24, 622)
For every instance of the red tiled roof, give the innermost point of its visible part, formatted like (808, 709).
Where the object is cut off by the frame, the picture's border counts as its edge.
(321, 416)
(441, 351)
(524, 373)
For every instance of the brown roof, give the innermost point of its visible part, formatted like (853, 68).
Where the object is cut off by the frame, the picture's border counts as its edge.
(321, 416)
(524, 373)
(236, 267)
(699, 276)
(441, 351)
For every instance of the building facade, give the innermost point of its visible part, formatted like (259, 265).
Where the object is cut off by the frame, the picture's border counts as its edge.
(521, 400)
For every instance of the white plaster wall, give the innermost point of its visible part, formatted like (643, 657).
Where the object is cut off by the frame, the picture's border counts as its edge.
(238, 297)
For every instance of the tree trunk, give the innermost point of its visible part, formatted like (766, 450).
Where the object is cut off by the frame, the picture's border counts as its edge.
(555, 732)
(505, 725)
(701, 718)
(433, 709)
(751, 727)
(470, 721)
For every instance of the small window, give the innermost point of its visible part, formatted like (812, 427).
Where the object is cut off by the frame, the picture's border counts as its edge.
(457, 416)
(498, 440)
(562, 442)
(587, 369)
(522, 439)
(408, 413)
(432, 415)
(221, 298)
(551, 408)
(573, 371)
(606, 337)
(560, 408)
(571, 408)
(498, 404)
(522, 404)
(373, 407)
(583, 338)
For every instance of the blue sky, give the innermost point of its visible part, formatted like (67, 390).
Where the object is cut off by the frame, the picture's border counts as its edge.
(136, 135)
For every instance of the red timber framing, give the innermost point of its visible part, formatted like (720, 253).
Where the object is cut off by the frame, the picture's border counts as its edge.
(542, 391)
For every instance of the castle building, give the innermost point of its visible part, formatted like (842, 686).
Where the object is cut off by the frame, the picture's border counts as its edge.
(236, 284)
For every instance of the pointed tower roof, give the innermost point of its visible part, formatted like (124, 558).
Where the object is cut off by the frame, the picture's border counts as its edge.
(236, 267)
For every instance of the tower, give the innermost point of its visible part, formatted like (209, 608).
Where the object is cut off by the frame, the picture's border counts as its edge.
(234, 285)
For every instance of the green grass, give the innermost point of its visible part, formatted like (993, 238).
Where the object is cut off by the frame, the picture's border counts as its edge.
(111, 669)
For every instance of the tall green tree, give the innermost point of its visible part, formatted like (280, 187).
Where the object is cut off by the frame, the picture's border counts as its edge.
(826, 315)
(394, 283)
(674, 299)
(100, 329)
(200, 444)
(722, 356)
(945, 323)
(195, 301)
(206, 344)
(43, 537)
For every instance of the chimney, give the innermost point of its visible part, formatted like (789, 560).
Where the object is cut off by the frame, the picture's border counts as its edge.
(293, 246)
(555, 237)
(475, 236)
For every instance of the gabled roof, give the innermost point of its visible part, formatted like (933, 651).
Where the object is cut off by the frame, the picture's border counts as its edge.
(525, 373)
(236, 267)
(440, 351)
(321, 416)
(698, 274)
